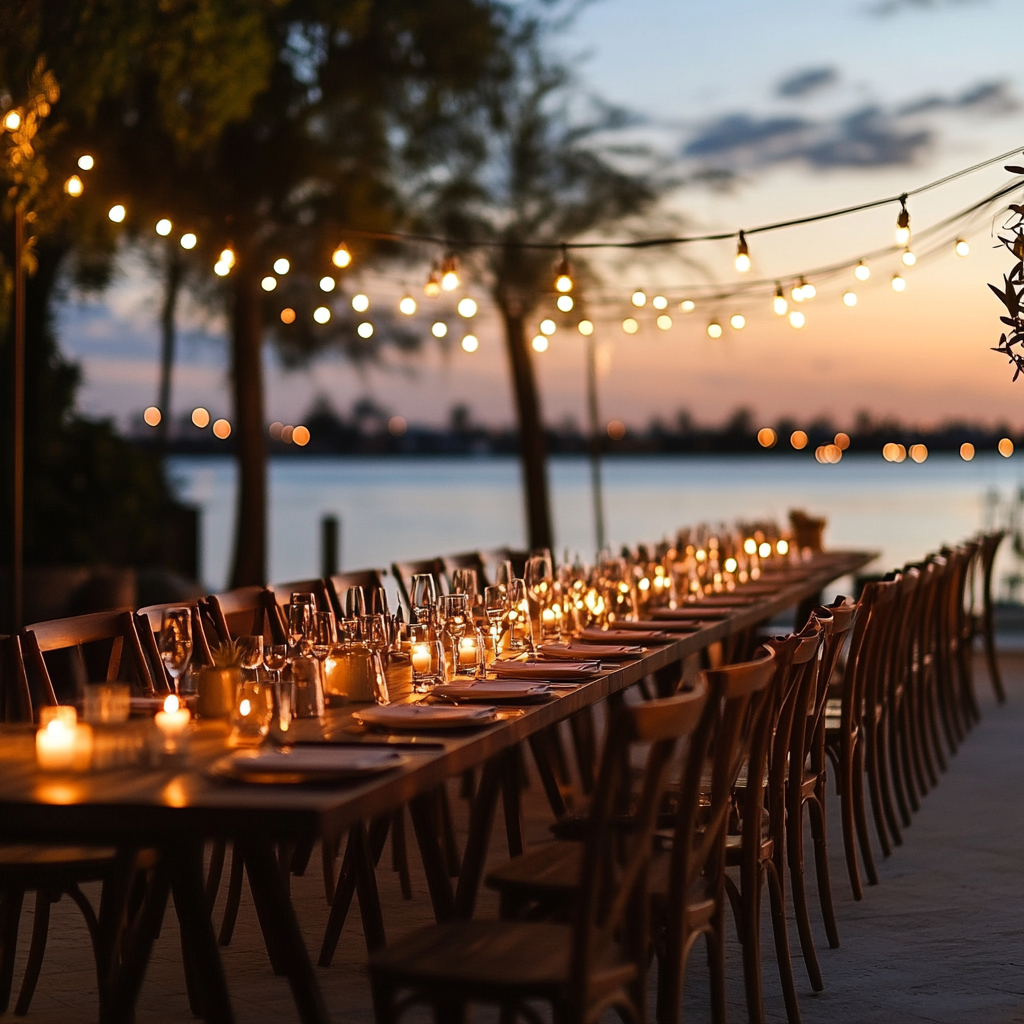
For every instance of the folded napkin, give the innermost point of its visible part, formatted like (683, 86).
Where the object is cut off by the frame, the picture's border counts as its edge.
(423, 716)
(690, 611)
(543, 670)
(578, 651)
(664, 626)
(619, 636)
(728, 600)
(494, 689)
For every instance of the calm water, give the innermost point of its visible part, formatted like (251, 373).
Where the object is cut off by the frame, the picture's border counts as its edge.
(412, 508)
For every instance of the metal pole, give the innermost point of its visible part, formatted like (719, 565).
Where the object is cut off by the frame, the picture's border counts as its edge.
(18, 427)
(172, 284)
(330, 549)
(596, 443)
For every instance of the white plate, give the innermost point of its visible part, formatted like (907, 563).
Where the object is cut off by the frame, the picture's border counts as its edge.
(305, 764)
(516, 690)
(424, 716)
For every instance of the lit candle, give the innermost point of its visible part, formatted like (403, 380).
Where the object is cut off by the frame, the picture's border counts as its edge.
(421, 658)
(55, 740)
(548, 616)
(467, 652)
(172, 723)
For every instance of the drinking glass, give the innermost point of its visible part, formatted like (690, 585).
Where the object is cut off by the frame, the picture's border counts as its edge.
(275, 658)
(355, 602)
(378, 600)
(322, 634)
(496, 610)
(520, 636)
(464, 582)
(251, 651)
(175, 642)
(426, 657)
(373, 632)
(300, 616)
(423, 597)
(252, 713)
(503, 575)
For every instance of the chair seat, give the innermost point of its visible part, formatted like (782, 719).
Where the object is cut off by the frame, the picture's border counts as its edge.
(481, 957)
(21, 863)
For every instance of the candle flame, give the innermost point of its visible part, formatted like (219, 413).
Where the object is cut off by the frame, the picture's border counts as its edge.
(171, 704)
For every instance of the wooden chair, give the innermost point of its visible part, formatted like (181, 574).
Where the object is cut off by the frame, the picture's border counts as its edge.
(466, 560)
(806, 783)
(94, 644)
(49, 871)
(403, 573)
(983, 619)
(148, 623)
(371, 579)
(282, 595)
(516, 557)
(242, 612)
(583, 968)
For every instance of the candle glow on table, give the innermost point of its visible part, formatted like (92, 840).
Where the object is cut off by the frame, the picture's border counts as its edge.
(421, 658)
(172, 722)
(55, 740)
(467, 652)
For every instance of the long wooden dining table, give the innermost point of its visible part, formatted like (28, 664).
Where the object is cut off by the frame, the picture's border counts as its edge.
(175, 811)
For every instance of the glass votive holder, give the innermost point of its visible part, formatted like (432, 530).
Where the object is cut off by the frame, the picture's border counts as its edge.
(469, 655)
(426, 657)
(62, 744)
(551, 623)
(106, 703)
(172, 729)
(307, 691)
(250, 719)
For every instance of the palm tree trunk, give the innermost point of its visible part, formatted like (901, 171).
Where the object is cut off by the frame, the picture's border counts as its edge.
(532, 443)
(249, 563)
(172, 286)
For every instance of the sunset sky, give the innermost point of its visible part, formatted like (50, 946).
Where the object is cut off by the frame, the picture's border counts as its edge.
(804, 107)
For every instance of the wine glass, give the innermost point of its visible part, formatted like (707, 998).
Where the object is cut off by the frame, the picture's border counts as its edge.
(251, 652)
(300, 616)
(423, 597)
(503, 575)
(520, 626)
(355, 602)
(175, 642)
(496, 610)
(464, 581)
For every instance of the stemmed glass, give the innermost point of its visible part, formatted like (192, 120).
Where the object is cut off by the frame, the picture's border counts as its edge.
(423, 597)
(175, 642)
(251, 651)
(464, 582)
(496, 610)
(520, 634)
(355, 602)
(503, 575)
(300, 615)
(275, 658)
(454, 622)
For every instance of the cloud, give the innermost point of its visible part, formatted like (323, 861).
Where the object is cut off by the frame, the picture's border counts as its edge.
(736, 132)
(803, 83)
(993, 98)
(885, 8)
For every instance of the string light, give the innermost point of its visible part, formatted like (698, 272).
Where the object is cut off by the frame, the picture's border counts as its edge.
(918, 452)
(563, 275)
(321, 314)
(222, 429)
(967, 451)
(664, 321)
(797, 293)
(327, 284)
(268, 284)
(737, 321)
(365, 329)
(547, 327)
(908, 258)
(86, 162)
(433, 286)
(164, 227)
(407, 305)
(73, 186)
(450, 274)
(282, 266)
(638, 298)
(899, 284)
(341, 257)
(659, 302)
(687, 305)
(439, 329)
(221, 269)
(586, 328)
(779, 303)
(766, 438)
(862, 271)
(12, 120)
(200, 417)
(188, 240)
(742, 261)
(467, 307)
(797, 319)
(360, 302)
(287, 315)
(807, 290)
(470, 343)
(1005, 447)
(540, 343)
(564, 303)
(228, 256)
(850, 299)
(300, 435)
(117, 213)
(152, 416)
(630, 326)
(798, 440)
(903, 222)
(961, 248)
(714, 329)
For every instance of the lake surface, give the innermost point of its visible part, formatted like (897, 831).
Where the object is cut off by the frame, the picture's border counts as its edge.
(398, 508)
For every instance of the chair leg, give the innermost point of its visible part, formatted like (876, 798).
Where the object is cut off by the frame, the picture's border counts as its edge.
(844, 783)
(235, 880)
(795, 853)
(816, 810)
(716, 963)
(400, 853)
(904, 767)
(40, 929)
(896, 747)
(215, 871)
(782, 954)
(991, 658)
(9, 921)
(328, 855)
(875, 792)
(885, 785)
(860, 815)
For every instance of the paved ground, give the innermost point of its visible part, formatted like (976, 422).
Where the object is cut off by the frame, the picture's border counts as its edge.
(940, 939)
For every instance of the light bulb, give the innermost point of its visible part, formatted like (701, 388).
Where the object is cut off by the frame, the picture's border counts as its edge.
(164, 227)
(470, 343)
(227, 257)
(659, 302)
(687, 305)
(797, 293)
(221, 269)
(585, 327)
(152, 416)
(188, 240)
(797, 319)
(862, 271)
(12, 120)
(450, 274)
(407, 305)
(638, 298)
(563, 283)
(565, 303)
(467, 307)
(341, 257)
(439, 329)
(287, 315)
(268, 284)
(908, 258)
(200, 417)
(433, 286)
(73, 186)
(86, 162)
(327, 284)
(961, 248)
(365, 329)
(540, 343)
(321, 314)
(899, 284)
(903, 223)
(664, 322)
(282, 266)
(714, 329)
(737, 321)
(360, 302)
(807, 290)
(630, 326)
(547, 327)
(563, 275)
(742, 261)
(117, 213)
(849, 299)
(779, 303)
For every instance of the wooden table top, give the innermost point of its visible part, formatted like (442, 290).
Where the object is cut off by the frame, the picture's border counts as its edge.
(142, 804)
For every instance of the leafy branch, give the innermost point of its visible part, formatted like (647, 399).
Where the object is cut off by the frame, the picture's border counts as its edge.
(1012, 292)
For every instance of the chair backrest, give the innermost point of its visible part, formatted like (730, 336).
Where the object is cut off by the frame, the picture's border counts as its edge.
(148, 623)
(404, 572)
(617, 847)
(466, 560)
(517, 558)
(15, 696)
(836, 622)
(282, 595)
(370, 579)
(95, 644)
(738, 706)
(244, 611)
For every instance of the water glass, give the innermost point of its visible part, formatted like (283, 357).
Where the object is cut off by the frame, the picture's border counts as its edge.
(251, 652)
(253, 710)
(307, 689)
(175, 642)
(300, 615)
(520, 636)
(464, 581)
(427, 658)
(423, 597)
(355, 602)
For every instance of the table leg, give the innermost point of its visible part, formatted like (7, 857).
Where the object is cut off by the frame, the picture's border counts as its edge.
(481, 820)
(423, 811)
(277, 915)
